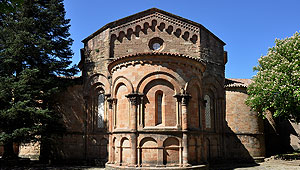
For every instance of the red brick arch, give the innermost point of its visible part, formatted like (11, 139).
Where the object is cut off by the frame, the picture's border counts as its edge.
(211, 83)
(195, 81)
(177, 83)
(98, 79)
(121, 80)
(148, 151)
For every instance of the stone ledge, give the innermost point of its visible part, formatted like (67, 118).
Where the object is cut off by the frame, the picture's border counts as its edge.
(115, 167)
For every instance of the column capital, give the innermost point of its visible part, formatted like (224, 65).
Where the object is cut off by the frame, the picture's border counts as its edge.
(134, 98)
(183, 98)
(186, 98)
(111, 101)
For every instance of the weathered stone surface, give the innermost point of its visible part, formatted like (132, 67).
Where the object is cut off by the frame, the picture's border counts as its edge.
(162, 78)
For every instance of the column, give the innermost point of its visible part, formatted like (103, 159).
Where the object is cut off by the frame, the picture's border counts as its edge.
(178, 109)
(134, 101)
(133, 98)
(110, 121)
(184, 121)
(110, 149)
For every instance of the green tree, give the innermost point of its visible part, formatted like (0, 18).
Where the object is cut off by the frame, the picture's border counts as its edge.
(34, 53)
(276, 87)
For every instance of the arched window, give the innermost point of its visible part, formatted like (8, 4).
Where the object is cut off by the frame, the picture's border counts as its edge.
(100, 115)
(158, 107)
(199, 113)
(207, 111)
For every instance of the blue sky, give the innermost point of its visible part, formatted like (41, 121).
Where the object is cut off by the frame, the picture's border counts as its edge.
(248, 27)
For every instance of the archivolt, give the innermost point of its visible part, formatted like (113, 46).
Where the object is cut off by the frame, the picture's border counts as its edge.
(177, 83)
(97, 80)
(122, 80)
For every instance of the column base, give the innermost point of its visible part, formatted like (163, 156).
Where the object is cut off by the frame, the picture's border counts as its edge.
(195, 167)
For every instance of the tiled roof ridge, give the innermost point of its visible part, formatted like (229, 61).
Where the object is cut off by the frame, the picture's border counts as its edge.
(235, 82)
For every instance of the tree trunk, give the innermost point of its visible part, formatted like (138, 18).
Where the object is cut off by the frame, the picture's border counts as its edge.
(9, 151)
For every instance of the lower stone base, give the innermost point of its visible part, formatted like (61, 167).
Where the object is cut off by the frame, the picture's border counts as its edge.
(115, 167)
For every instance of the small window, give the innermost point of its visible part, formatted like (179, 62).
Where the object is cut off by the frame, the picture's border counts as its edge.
(156, 44)
(207, 111)
(199, 113)
(158, 107)
(100, 116)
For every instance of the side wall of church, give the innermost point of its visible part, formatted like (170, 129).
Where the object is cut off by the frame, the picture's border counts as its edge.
(244, 137)
(79, 141)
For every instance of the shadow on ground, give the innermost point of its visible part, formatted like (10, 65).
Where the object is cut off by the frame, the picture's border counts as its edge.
(232, 166)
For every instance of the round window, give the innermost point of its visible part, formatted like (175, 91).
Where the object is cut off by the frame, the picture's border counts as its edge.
(156, 44)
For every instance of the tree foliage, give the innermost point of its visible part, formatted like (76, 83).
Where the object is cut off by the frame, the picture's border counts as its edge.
(276, 86)
(34, 52)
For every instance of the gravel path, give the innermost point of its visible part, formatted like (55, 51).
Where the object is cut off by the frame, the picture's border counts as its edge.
(268, 165)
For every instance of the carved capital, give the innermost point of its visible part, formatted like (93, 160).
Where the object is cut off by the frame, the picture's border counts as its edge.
(186, 98)
(178, 97)
(111, 101)
(183, 98)
(135, 98)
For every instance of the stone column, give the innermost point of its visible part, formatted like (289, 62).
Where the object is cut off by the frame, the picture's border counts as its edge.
(178, 109)
(110, 121)
(110, 150)
(133, 110)
(134, 101)
(184, 121)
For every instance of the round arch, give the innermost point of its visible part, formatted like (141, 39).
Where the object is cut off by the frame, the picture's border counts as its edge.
(121, 80)
(177, 84)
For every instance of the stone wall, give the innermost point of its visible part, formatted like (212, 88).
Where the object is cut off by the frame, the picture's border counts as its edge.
(245, 134)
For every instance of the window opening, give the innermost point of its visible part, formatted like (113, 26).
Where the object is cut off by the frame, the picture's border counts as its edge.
(159, 98)
(207, 112)
(100, 122)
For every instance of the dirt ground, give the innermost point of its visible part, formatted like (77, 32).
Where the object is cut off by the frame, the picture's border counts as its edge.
(267, 165)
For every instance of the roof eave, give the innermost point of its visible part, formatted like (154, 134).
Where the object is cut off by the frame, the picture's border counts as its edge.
(151, 10)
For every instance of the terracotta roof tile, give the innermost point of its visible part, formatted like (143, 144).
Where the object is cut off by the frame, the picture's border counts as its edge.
(230, 82)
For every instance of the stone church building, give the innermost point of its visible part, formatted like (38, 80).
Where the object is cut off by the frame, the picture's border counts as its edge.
(153, 94)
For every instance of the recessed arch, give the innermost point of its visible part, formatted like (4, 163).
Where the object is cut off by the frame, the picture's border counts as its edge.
(121, 79)
(96, 80)
(146, 25)
(170, 29)
(129, 33)
(171, 151)
(153, 25)
(193, 87)
(121, 36)
(159, 104)
(160, 75)
(161, 26)
(210, 82)
(121, 106)
(194, 38)
(148, 151)
(177, 33)
(186, 35)
(125, 151)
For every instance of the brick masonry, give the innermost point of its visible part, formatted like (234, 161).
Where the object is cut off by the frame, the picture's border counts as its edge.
(119, 61)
